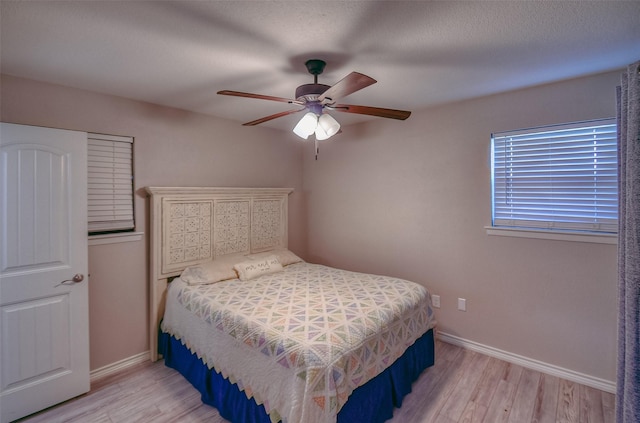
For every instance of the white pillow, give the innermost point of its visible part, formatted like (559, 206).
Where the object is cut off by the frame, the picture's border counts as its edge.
(285, 257)
(220, 269)
(255, 268)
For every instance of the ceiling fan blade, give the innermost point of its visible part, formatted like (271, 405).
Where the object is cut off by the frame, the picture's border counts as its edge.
(349, 84)
(271, 117)
(258, 96)
(372, 111)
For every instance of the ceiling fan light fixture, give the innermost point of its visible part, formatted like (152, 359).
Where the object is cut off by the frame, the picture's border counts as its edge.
(329, 125)
(306, 126)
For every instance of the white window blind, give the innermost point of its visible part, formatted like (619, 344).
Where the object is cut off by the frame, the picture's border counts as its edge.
(110, 183)
(561, 177)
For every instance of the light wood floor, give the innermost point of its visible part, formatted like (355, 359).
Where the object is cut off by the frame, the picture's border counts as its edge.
(463, 386)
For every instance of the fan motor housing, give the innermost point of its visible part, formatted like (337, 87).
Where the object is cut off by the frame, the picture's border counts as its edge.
(310, 92)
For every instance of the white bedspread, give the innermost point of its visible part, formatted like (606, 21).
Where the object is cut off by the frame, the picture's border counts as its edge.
(299, 341)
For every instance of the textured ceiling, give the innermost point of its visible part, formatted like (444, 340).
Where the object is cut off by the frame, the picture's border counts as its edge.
(180, 53)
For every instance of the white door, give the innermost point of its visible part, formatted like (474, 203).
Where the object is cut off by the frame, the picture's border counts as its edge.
(44, 327)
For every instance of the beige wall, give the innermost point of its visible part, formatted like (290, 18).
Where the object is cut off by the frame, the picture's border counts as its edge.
(407, 199)
(411, 199)
(172, 148)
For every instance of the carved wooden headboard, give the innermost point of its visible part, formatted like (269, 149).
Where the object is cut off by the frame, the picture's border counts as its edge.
(191, 225)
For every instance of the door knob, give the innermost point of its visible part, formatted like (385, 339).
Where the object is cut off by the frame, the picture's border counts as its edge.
(78, 277)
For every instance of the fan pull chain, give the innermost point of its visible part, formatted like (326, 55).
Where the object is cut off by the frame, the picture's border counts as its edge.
(317, 148)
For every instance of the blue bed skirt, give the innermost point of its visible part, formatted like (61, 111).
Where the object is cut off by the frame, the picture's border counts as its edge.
(371, 403)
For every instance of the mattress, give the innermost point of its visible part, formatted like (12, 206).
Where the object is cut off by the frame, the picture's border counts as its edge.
(300, 341)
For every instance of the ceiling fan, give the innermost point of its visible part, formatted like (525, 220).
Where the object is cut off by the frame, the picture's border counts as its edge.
(319, 98)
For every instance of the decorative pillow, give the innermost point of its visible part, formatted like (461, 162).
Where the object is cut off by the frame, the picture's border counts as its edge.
(254, 268)
(285, 257)
(220, 269)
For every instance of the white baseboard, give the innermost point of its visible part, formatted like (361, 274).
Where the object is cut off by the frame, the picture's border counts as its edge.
(530, 363)
(118, 366)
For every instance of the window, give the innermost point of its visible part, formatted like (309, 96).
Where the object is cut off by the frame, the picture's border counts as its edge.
(110, 183)
(561, 177)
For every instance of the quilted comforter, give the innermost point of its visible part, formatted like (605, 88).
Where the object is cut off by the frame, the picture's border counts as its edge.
(301, 340)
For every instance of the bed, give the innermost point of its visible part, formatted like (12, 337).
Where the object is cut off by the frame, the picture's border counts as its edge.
(265, 336)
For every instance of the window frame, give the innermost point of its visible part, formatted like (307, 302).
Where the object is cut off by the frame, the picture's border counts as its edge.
(554, 229)
(105, 231)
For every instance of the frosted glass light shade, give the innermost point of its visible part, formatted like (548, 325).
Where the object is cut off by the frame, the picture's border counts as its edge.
(329, 126)
(321, 134)
(306, 126)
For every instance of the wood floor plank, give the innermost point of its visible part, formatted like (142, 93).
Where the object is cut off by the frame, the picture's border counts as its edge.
(568, 402)
(591, 405)
(436, 401)
(502, 400)
(487, 386)
(500, 406)
(546, 400)
(609, 406)
(456, 403)
(478, 404)
(462, 387)
(512, 373)
(473, 413)
(525, 397)
(83, 408)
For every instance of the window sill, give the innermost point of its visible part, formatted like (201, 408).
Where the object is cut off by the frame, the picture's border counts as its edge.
(115, 238)
(553, 235)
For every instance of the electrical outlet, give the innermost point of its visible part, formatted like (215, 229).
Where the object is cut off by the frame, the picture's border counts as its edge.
(462, 304)
(435, 301)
